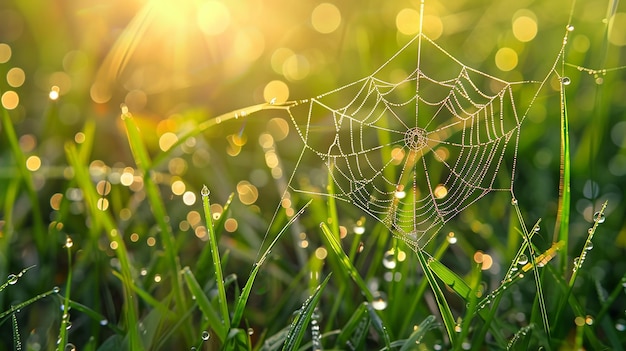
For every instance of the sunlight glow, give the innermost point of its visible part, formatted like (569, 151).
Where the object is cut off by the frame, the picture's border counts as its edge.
(213, 17)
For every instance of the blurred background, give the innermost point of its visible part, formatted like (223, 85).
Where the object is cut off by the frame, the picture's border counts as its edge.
(176, 64)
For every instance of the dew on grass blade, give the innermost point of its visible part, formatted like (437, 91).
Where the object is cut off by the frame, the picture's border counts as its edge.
(523, 259)
(250, 331)
(205, 191)
(12, 279)
(389, 259)
(588, 245)
(379, 300)
(70, 347)
(570, 28)
(205, 335)
(451, 238)
(599, 217)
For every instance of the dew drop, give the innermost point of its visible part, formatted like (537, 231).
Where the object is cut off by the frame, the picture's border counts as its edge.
(523, 259)
(588, 245)
(457, 328)
(451, 238)
(359, 230)
(620, 325)
(193, 348)
(389, 259)
(104, 322)
(68, 242)
(68, 325)
(599, 217)
(570, 28)
(537, 229)
(590, 231)
(379, 301)
(250, 331)
(514, 202)
(56, 290)
(576, 262)
(205, 335)
(566, 81)
(205, 191)
(273, 101)
(12, 279)
(70, 347)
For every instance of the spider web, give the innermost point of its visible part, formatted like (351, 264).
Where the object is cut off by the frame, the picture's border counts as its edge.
(413, 148)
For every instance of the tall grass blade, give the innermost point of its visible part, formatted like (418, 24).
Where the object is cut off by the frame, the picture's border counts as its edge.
(205, 305)
(245, 293)
(442, 304)
(561, 230)
(104, 220)
(17, 342)
(354, 332)
(378, 324)
(215, 254)
(20, 160)
(299, 324)
(427, 324)
(345, 262)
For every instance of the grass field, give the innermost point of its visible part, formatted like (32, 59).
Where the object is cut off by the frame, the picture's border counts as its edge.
(264, 175)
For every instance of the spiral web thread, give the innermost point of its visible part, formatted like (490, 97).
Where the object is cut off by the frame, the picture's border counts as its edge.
(413, 149)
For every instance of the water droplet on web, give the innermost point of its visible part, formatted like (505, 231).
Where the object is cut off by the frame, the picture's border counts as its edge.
(537, 229)
(56, 290)
(599, 217)
(389, 259)
(205, 191)
(590, 231)
(12, 279)
(68, 326)
(566, 81)
(576, 262)
(379, 301)
(523, 259)
(273, 101)
(570, 28)
(70, 347)
(588, 245)
(193, 348)
(205, 335)
(514, 202)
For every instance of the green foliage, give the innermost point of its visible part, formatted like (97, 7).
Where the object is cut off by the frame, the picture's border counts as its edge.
(170, 228)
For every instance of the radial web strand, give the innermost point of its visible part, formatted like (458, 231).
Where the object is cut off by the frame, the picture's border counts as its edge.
(411, 148)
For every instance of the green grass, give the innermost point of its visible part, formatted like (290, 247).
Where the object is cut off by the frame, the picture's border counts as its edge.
(135, 267)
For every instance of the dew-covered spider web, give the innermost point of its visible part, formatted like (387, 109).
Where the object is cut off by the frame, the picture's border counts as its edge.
(412, 145)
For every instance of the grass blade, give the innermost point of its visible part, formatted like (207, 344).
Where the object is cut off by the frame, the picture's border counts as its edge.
(354, 332)
(427, 324)
(103, 219)
(215, 254)
(205, 305)
(561, 230)
(442, 304)
(299, 324)
(245, 293)
(346, 264)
